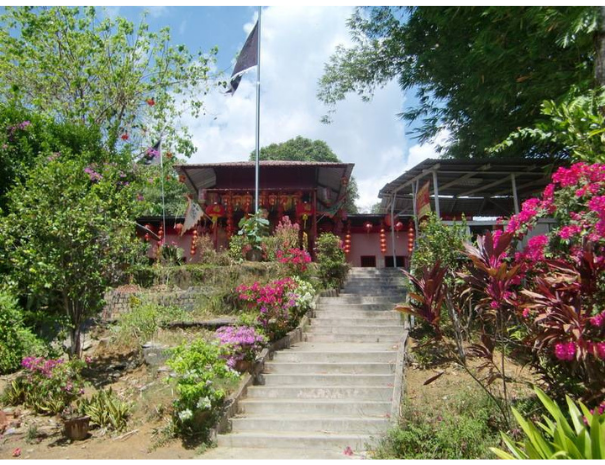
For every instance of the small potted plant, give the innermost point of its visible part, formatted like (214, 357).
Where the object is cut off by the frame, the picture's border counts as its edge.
(254, 229)
(240, 345)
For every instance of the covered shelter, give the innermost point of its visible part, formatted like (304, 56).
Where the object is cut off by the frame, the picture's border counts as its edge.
(307, 192)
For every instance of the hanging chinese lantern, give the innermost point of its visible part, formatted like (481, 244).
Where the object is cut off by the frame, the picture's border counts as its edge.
(272, 198)
(387, 220)
(297, 198)
(247, 202)
(304, 211)
(411, 237)
(215, 212)
(347, 242)
(383, 241)
(367, 226)
(161, 233)
(193, 249)
(398, 228)
(237, 201)
(284, 201)
(262, 199)
(178, 227)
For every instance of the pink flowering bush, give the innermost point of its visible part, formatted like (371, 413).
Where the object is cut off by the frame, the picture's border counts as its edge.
(47, 386)
(277, 304)
(239, 344)
(296, 260)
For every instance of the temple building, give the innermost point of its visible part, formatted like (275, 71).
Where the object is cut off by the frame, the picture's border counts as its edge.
(313, 194)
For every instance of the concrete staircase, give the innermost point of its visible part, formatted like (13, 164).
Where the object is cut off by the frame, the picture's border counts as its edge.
(334, 390)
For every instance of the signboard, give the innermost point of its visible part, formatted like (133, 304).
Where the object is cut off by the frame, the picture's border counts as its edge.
(423, 201)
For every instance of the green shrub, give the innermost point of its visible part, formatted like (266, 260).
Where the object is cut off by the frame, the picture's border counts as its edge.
(556, 437)
(202, 380)
(16, 341)
(332, 261)
(143, 321)
(106, 410)
(461, 431)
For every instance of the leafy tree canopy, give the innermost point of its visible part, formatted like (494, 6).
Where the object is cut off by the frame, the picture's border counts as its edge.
(478, 72)
(304, 149)
(78, 66)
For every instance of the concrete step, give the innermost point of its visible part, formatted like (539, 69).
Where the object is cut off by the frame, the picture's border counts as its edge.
(357, 299)
(377, 292)
(308, 423)
(369, 329)
(255, 453)
(372, 393)
(361, 358)
(332, 368)
(351, 306)
(330, 407)
(323, 313)
(365, 346)
(378, 337)
(342, 319)
(332, 380)
(294, 440)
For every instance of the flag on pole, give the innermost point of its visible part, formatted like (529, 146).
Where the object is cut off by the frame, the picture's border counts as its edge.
(193, 214)
(152, 155)
(247, 58)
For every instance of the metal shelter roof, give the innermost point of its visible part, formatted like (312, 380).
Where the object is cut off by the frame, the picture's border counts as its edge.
(475, 187)
(276, 175)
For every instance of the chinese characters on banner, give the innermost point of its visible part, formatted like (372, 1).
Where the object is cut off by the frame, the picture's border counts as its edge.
(423, 201)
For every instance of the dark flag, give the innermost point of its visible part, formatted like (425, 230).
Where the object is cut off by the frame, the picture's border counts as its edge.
(246, 59)
(152, 156)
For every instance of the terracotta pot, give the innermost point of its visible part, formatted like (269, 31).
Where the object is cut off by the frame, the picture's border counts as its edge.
(254, 255)
(243, 365)
(77, 428)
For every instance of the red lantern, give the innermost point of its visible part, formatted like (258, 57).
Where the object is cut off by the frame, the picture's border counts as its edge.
(272, 200)
(383, 241)
(215, 212)
(387, 220)
(178, 227)
(304, 211)
(367, 226)
(237, 201)
(399, 226)
(150, 227)
(147, 237)
(247, 202)
(227, 200)
(347, 243)
(411, 238)
(193, 249)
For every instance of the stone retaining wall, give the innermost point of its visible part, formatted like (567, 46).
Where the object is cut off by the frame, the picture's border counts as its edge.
(119, 301)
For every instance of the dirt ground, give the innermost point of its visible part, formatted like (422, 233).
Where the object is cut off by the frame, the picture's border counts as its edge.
(134, 382)
(456, 380)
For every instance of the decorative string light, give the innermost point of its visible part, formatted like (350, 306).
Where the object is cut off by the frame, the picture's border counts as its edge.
(383, 241)
(411, 237)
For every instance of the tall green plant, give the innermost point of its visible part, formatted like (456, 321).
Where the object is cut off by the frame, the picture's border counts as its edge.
(575, 434)
(70, 234)
(254, 228)
(332, 261)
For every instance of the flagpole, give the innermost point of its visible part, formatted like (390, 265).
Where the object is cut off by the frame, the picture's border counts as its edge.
(256, 166)
(163, 201)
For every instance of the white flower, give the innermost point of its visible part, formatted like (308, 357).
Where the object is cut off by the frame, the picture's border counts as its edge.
(185, 414)
(204, 403)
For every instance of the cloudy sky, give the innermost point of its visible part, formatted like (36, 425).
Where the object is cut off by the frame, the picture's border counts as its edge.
(296, 42)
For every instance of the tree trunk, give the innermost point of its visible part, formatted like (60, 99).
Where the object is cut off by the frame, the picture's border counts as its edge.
(600, 50)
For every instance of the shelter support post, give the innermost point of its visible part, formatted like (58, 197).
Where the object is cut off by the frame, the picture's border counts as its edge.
(515, 197)
(393, 231)
(436, 193)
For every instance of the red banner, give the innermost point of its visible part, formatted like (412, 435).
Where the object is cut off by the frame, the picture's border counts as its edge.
(423, 201)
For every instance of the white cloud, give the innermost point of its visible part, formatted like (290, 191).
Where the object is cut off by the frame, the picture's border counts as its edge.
(157, 11)
(296, 43)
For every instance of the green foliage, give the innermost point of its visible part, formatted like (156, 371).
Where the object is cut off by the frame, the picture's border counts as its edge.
(46, 386)
(142, 323)
(460, 431)
(304, 149)
(70, 234)
(21, 143)
(254, 229)
(557, 437)
(106, 410)
(16, 341)
(76, 65)
(438, 242)
(478, 72)
(576, 125)
(202, 378)
(332, 261)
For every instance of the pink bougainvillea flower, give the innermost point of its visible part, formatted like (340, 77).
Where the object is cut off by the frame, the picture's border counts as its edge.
(125, 136)
(348, 451)
(17, 452)
(526, 312)
(565, 350)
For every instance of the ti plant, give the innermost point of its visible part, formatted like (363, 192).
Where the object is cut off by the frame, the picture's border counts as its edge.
(254, 228)
(557, 437)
